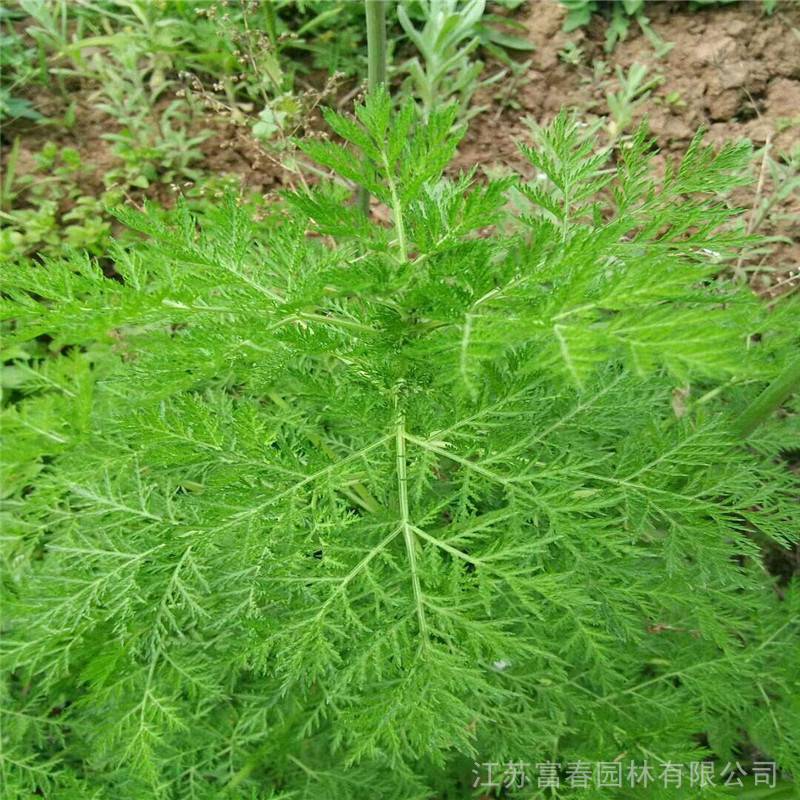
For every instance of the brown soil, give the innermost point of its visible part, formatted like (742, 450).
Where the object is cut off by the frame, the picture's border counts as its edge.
(732, 69)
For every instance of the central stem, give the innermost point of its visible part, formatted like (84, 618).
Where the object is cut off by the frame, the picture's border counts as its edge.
(375, 11)
(405, 523)
(376, 43)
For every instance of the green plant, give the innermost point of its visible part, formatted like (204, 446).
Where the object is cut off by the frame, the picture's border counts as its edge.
(620, 12)
(150, 42)
(572, 54)
(332, 33)
(45, 210)
(155, 152)
(49, 32)
(354, 507)
(444, 69)
(635, 88)
(675, 99)
(768, 5)
(17, 69)
(506, 95)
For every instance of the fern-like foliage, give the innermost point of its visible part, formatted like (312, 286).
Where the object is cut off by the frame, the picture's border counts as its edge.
(338, 511)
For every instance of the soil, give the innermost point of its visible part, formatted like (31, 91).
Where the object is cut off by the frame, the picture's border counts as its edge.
(731, 68)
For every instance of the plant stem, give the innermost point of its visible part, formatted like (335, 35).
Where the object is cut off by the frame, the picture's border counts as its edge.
(376, 43)
(397, 211)
(376, 63)
(407, 528)
(769, 400)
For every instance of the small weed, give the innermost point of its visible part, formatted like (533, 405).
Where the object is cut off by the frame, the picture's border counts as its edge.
(155, 151)
(52, 213)
(619, 13)
(675, 99)
(635, 87)
(778, 181)
(505, 96)
(444, 69)
(17, 69)
(572, 54)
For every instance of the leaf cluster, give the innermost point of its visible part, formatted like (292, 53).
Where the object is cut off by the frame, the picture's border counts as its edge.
(337, 510)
